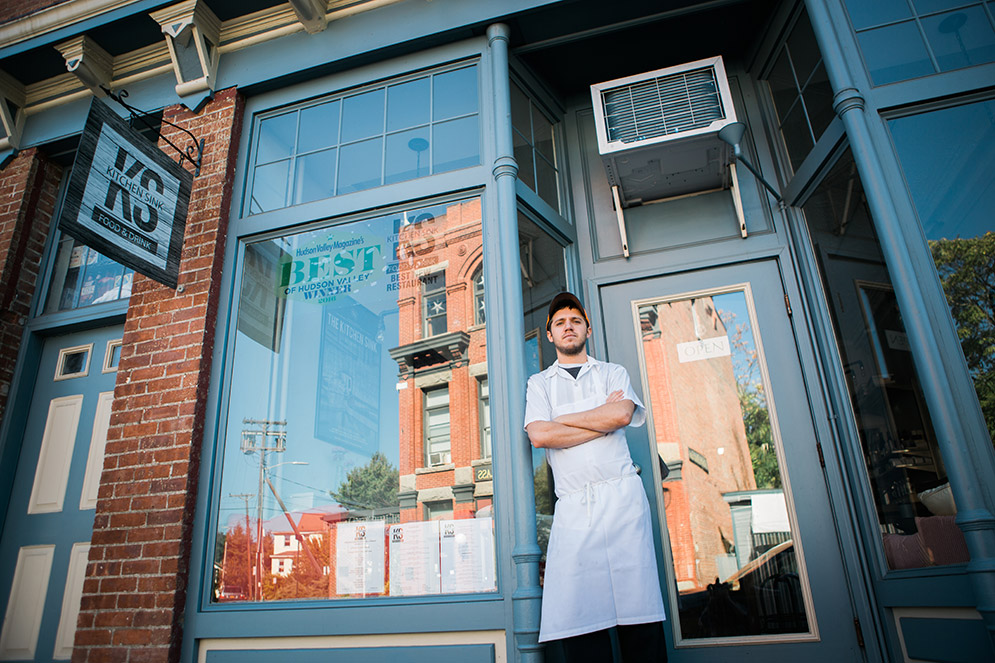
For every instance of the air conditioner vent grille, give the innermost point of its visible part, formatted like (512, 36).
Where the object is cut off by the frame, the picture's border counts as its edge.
(661, 106)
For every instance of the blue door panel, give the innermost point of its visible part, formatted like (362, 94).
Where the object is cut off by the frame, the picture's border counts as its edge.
(71, 524)
(948, 640)
(441, 654)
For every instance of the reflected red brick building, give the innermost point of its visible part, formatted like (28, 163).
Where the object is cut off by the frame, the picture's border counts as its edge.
(442, 361)
(699, 430)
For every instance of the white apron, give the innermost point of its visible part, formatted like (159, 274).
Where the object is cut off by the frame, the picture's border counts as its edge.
(601, 567)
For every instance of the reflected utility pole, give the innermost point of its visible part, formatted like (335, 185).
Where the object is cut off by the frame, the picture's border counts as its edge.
(262, 435)
(248, 542)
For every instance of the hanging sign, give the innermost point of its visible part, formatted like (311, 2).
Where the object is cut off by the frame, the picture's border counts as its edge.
(126, 198)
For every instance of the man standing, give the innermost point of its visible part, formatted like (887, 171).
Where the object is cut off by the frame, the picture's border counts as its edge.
(601, 566)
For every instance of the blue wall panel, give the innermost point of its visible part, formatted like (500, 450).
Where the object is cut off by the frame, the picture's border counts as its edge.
(450, 654)
(953, 640)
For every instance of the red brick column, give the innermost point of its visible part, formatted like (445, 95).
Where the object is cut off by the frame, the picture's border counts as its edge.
(135, 588)
(28, 187)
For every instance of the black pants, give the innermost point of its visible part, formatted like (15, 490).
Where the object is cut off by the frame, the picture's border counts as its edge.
(639, 643)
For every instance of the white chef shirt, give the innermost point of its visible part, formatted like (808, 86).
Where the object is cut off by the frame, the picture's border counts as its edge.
(601, 565)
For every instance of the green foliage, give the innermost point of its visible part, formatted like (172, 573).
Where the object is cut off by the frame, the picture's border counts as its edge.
(758, 435)
(753, 404)
(371, 486)
(543, 493)
(304, 581)
(967, 272)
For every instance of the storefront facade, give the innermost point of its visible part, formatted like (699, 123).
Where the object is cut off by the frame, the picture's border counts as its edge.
(312, 446)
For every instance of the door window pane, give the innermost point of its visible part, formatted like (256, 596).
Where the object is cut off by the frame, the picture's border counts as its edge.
(904, 466)
(82, 276)
(948, 160)
(727, 512)
(333, 400)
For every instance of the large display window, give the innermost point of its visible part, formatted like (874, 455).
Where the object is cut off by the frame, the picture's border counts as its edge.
(351, 445)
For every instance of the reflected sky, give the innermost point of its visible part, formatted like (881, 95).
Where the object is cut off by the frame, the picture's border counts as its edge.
(948, 160)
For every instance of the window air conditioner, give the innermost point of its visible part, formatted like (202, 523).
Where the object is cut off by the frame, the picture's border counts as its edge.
(658, 134)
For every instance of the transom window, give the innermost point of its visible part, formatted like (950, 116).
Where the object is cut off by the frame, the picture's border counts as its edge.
(532, 133)
(352, 141)
(902, 39)
(799, 86)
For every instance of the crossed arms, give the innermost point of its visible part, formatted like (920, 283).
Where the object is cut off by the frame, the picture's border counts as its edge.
(569, 430)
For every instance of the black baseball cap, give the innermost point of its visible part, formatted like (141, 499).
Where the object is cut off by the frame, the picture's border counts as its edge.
(565, 300)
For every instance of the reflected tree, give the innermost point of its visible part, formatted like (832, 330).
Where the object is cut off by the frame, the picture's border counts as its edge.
(753, 403)
(967, 273)
(370, 486)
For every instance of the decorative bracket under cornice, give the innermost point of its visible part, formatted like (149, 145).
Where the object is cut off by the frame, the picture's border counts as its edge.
(313, 14)
(193, 34)
(11, 112)
(90, 63)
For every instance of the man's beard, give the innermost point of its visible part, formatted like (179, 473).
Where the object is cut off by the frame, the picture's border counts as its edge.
(572, 350)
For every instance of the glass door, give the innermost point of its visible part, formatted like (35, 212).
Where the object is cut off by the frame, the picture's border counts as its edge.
(730, 459)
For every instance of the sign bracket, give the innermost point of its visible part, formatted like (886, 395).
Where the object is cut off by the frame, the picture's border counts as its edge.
(194, 153)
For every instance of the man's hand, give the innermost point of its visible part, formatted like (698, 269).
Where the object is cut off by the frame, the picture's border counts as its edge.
(569, 430)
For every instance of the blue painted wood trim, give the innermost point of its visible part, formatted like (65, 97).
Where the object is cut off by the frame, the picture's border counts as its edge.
(81, 27)
(346, 44)
(383, 615)
(974, 516)
(15, 416)
(504, 297)
(952, 640)
(441, 654)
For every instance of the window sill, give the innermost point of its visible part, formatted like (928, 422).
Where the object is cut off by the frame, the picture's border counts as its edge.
(435, 468)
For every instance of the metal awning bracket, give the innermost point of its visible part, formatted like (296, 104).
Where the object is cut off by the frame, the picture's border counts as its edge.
(620, 215)
(194, 153)
(737, 199)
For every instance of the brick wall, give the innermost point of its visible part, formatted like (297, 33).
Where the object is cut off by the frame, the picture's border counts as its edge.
(134, 592)
(13, 9)
(28, 187)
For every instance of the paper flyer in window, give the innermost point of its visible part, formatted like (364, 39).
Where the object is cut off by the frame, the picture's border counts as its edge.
(359, 558)
(467, 555)
(414, 559)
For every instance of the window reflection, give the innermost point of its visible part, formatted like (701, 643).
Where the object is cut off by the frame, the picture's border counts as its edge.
(801, 92)
(82, 276)
(352, 458)
(392, 133)
(544, 276)
(913, 501)
(731, 539)
(533, 146)
(899, 44)
(947, 159)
